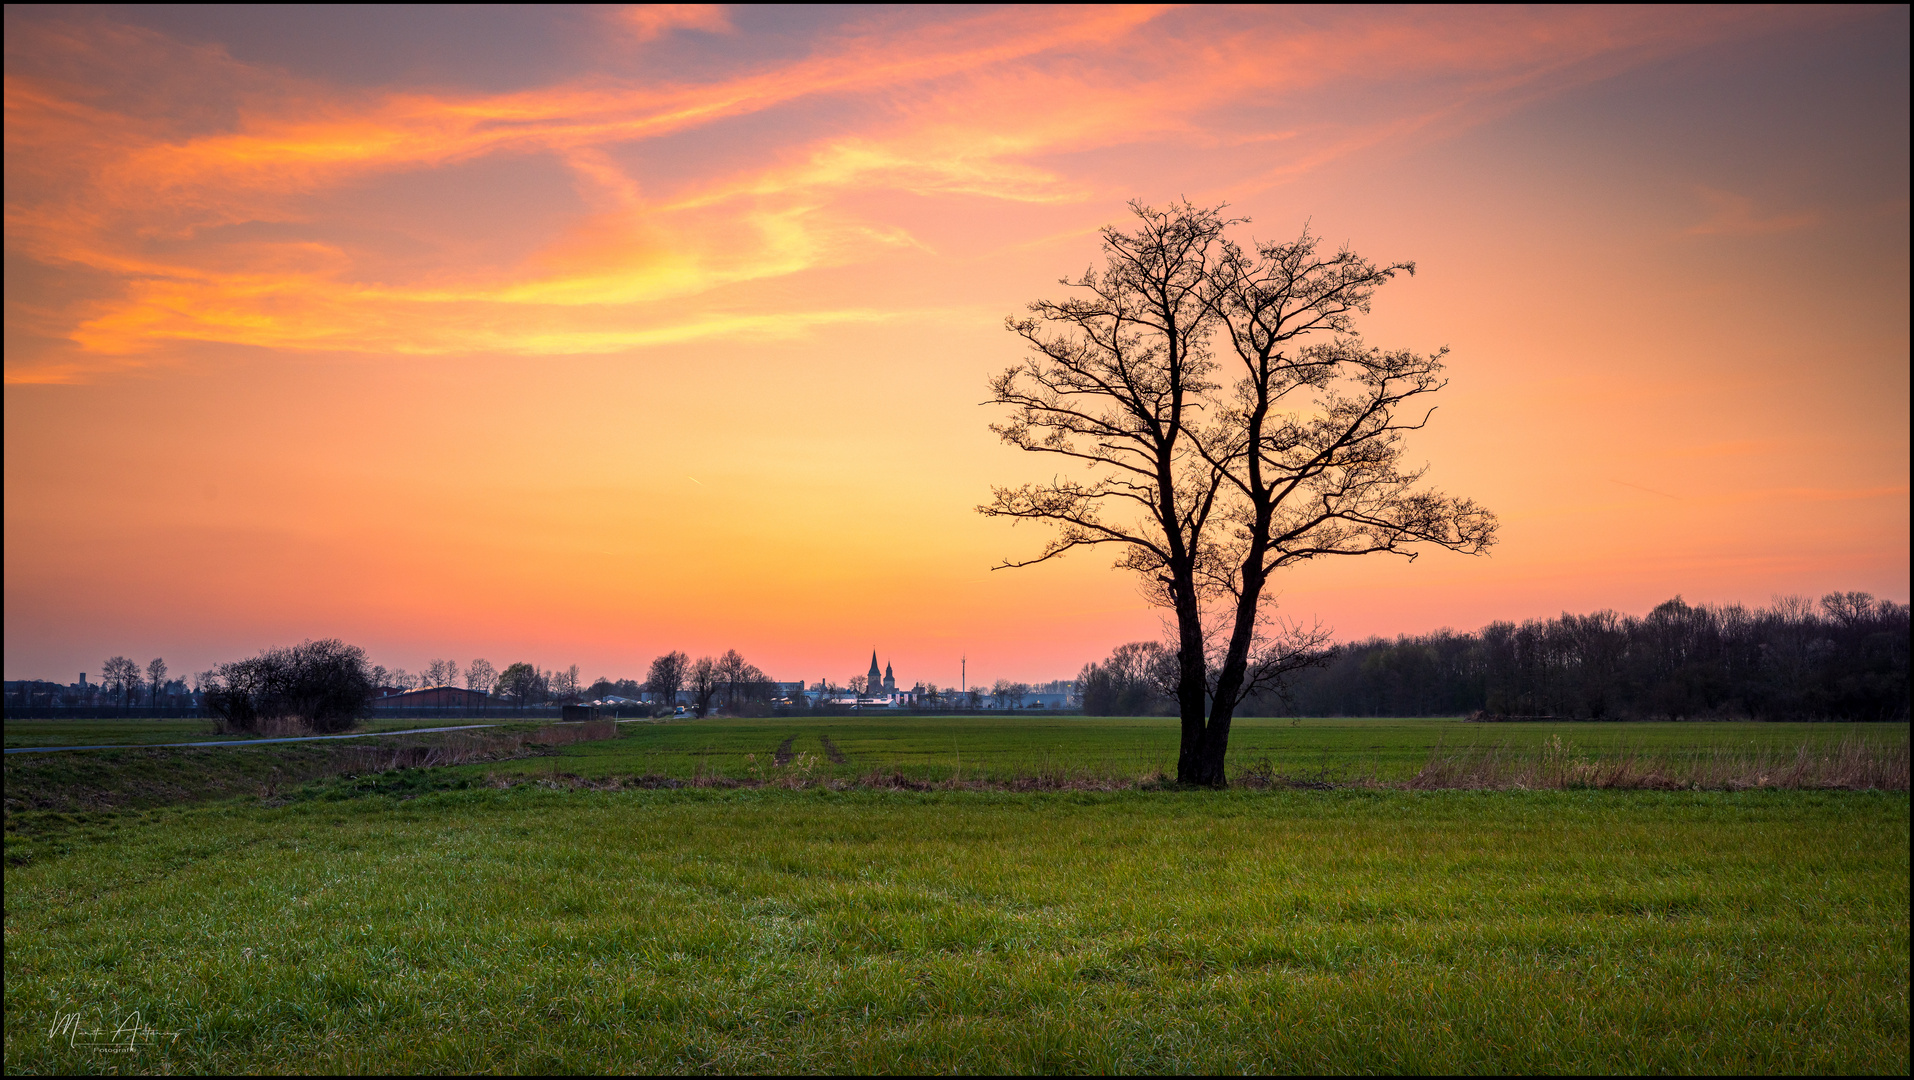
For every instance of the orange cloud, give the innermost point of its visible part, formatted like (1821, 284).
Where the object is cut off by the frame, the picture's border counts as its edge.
(1734, 215)
(649, 21)
(976, 106)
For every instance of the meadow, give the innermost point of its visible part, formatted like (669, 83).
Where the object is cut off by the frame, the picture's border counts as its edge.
(1005, 749)
(530, 915)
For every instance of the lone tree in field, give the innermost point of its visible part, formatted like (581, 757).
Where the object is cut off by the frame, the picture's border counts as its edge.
(1228, 422)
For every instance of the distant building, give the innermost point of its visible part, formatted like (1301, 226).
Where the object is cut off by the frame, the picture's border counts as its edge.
(440, 697)
(879, 684)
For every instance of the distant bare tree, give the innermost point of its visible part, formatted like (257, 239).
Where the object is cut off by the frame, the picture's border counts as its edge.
(856, 685)
(666, 678)
(380, 676)
(442, 673)
(120, 676)
(702, 681)
(156, 677)
(1135, 680)
(740, 681)
(564, 684)
(1205, 492)
(481, 677)
(1009, 694)
(731, 674)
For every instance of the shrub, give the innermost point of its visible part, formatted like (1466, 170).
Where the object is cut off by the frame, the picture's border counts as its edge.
(323, 686)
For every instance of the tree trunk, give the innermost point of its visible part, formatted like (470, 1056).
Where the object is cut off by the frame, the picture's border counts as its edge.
(1191, 686)
(1229, 680)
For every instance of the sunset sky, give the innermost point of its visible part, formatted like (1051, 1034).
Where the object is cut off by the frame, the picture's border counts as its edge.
(577, 335)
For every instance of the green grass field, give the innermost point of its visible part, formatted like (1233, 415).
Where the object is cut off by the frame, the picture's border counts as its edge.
(455, 920)
(1006, 748)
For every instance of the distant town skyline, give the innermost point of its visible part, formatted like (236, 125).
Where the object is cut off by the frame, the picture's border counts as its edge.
(577, 335)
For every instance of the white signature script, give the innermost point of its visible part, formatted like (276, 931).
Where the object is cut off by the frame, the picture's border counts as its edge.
(129, 1037)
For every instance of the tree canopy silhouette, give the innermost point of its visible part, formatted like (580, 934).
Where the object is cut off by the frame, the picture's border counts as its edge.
(1227, 422)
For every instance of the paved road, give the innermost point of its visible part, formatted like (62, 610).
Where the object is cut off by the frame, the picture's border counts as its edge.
(259, 742)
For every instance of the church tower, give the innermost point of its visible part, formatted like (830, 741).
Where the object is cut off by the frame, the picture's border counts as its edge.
(890, 681)
(874, 682)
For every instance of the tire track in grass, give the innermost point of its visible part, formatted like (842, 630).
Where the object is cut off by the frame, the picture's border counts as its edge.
(784, 753)
(831, 751)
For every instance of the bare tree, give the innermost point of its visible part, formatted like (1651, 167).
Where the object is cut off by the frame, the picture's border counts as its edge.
(732, 669)
(1133, 681)
(667, 677)
(1205, 493)
(702, 680)
(1311, 449)
(856, 684)
(156, 677)
(120, 676)
(741, 681)
(564, 684)
(442, 673)
(481, 676)
(1003, 692)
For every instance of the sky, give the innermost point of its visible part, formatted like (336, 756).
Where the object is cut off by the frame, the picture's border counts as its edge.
(578, 335)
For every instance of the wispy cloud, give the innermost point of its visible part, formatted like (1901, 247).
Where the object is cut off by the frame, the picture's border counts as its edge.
(1735, 215)
(647, 22)
(985, 106)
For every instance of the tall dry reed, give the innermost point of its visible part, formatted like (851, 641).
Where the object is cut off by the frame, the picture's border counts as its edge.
(1855, 764)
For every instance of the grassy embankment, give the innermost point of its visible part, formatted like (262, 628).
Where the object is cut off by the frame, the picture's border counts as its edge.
(43, 787)
(147, 732)
(533, 929)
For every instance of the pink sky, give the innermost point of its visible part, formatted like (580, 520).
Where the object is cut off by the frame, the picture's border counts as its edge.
(577, 335)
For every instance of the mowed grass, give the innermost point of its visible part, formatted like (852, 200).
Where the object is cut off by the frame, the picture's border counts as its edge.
(1008, 748)
(766, 930)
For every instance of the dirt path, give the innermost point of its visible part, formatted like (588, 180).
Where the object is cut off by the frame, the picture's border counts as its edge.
(784, 754)
(831, 751)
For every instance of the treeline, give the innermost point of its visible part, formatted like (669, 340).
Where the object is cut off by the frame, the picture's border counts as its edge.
(727, 683)
(1844, 659)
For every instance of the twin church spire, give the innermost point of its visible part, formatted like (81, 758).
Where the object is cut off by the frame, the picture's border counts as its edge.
(879, 683)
